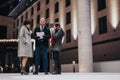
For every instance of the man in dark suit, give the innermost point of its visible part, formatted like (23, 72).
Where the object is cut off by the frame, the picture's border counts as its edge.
(41, 35)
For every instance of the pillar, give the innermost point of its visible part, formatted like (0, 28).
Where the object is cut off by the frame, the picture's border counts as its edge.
(85, 57)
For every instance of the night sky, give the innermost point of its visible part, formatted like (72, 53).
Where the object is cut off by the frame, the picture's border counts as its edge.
(7, 5)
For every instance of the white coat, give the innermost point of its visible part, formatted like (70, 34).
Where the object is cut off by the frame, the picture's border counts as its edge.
(25, 43)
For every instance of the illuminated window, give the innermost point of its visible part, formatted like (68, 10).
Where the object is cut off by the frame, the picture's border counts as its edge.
(101, 4)
(68, 36)
(56, 7)
(102, 25)
(68, 17)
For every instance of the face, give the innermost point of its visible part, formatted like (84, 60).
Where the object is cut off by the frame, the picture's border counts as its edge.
(56, 27)
(42, 21)
(28, 26)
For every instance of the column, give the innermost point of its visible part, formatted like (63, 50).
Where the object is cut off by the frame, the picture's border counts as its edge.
(85, 57)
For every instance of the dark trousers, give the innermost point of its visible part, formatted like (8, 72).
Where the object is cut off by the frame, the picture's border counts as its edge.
(56, 58)
(41, 50)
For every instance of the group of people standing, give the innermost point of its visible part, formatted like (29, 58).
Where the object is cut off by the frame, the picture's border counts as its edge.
(43, 36)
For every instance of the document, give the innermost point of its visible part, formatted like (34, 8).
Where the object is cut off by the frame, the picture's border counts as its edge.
(40, 34)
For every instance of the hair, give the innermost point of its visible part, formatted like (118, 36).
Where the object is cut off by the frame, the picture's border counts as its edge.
(57, 24)
(27, 22)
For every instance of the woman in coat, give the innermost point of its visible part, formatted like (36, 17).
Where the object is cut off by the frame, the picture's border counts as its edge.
(25, 44)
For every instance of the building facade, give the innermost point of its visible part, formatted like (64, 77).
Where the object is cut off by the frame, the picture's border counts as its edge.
(7, 49)
(104, 25)
(6, 27)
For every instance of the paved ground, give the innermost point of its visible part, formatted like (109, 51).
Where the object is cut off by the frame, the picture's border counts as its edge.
(63, 76)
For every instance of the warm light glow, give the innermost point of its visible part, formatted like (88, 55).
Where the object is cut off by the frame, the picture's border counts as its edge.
(8, 40)
(74, 17)
(15, 40)
(75, 27)
(114, 13)
(62, 22)
(92, 18)
(62, 25)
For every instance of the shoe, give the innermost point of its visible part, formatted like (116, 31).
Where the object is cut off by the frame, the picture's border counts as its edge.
(54, 73)
(46, 73)
(23, 72)
(35, 73)
(57, 71)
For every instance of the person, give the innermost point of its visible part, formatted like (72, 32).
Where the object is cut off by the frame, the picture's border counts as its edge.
(42, 36)
(25, 44)
(56, 41)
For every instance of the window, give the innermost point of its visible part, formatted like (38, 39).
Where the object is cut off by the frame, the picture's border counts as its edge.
(68, 18)
(38, 18)
(3, 32)
(102, 25)
(17, 22)
(32, 11)
(26, 15)
(21, 19)
(14, 25)
(17, 31)
(67, 3)
(68, 36)
(13, 34)
(56, 7)
(47, 13)
(47, 1)
(101, 4)
(32, 24)
(38, 6)
(57, 20)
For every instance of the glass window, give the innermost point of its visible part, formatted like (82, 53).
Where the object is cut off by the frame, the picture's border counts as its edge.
(101, 4)
(26, 15)
(38, 19)
(56, 7)
(57, 20)
(32, 11)
(68, 36)
(68, 3)
(3, 32)
(38, 6)
(32, 24)
(102, 25)
(47, 1)
(21, 19)
(17, 22)
(47, 13)
(68, 17)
